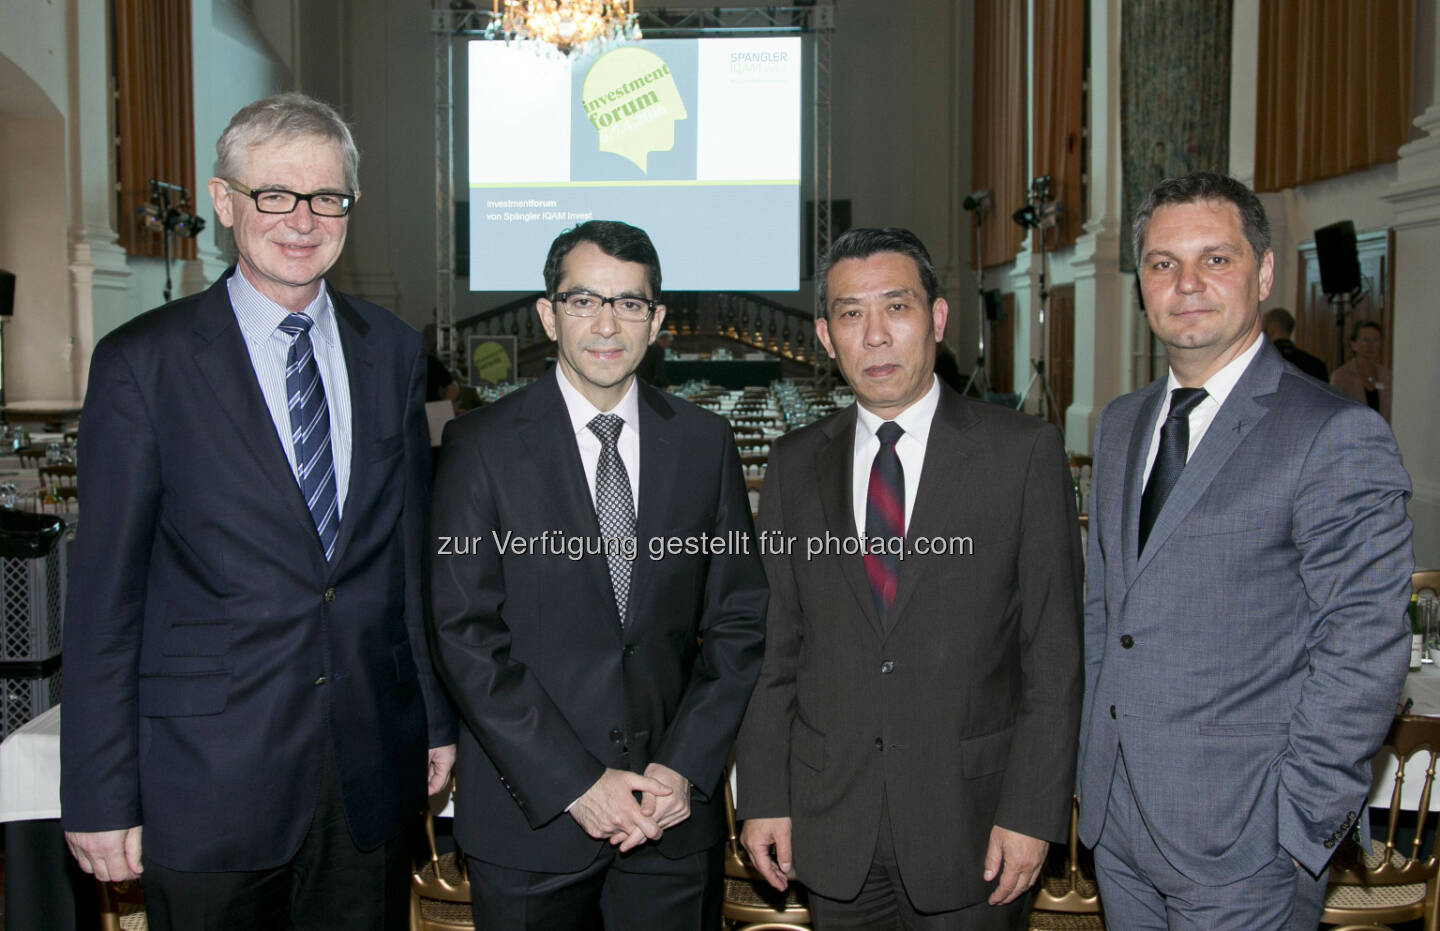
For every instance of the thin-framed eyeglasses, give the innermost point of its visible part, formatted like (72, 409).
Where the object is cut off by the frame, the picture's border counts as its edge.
(279, 200)
(627, 307)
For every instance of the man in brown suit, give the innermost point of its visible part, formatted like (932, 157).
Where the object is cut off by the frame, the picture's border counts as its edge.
(910, 746)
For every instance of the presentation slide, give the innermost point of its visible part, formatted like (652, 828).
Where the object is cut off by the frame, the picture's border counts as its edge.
(696, 141)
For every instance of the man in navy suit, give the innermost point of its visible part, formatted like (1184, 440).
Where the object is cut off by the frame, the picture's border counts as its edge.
(1248, 574)
(599, 610)
(246, 674)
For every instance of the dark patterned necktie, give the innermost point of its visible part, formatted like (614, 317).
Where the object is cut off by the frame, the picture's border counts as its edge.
(885, 519)
(614, 507)
(310, 431)
(1170, 458)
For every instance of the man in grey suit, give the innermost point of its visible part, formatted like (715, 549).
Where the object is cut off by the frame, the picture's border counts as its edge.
(1248, 574)
(909, 747)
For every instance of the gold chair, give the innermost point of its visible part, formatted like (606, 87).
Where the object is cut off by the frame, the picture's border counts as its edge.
(1387, 884)
(1422, 579)
(439, 889)
(122, 907)
(31, 455)
(1068, 899)
(750, 904)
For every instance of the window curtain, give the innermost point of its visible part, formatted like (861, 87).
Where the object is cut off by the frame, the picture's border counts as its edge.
(1059, 68)
(154, 114)
(1334, 88)
(998, 130)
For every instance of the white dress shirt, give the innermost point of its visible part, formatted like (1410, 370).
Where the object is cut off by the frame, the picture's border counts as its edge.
(1217, 389)
(582, 412)
(915, 421)
(259, 319)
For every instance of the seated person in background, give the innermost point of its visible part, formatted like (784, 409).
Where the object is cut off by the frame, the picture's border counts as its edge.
(652, 367)
(1363, 378)
(1278, 325)
(466, 399)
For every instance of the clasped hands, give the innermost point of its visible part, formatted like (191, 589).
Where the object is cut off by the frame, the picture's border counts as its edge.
(1012, 859)
(609, 811)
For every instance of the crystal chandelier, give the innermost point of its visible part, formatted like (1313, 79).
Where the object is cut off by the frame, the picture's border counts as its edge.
(567, 25)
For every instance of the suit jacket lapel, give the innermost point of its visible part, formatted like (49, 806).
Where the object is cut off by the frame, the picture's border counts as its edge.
(834, 463)
(1233, 422)
(946, 450)
(555, 457)
(659, 465)
(223, 361)
(364, 431)
(1140, 433)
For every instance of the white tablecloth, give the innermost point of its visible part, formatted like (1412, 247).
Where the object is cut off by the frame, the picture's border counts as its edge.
(30, 770)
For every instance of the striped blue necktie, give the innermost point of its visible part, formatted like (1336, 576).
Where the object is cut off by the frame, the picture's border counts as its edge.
(310, 431)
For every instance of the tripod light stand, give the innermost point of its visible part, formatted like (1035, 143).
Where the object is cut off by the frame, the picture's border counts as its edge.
(1039, 214)
(975, 203)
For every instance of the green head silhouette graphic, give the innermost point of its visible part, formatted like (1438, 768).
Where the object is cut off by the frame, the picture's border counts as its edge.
(632, 101)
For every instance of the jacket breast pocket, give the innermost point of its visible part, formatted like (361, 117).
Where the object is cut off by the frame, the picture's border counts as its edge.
(183, 695)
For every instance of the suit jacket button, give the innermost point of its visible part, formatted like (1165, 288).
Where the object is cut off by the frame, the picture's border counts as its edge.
(879, 744)
(320, 681)
(1127, 641)
(887, 666)
(1112, 711)
(629, 650)
(1349, 816)
(617, 735)
(1329, 843)
(329, 595)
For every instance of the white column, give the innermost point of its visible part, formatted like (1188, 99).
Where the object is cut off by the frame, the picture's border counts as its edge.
(99, 275)
(1102, 335)
(1416, 201)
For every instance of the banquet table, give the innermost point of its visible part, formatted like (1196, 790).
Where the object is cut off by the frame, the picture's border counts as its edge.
(44, 888)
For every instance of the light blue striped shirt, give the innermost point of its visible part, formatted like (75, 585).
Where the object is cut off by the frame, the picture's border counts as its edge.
(259, 319)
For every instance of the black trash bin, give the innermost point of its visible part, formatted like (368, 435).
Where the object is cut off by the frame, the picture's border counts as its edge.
(27, 535)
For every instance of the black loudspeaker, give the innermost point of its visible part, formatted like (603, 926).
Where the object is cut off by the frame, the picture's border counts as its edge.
(1339, 259)
(7, 293)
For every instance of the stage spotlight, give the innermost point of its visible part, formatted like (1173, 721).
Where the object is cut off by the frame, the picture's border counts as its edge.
(977, 199)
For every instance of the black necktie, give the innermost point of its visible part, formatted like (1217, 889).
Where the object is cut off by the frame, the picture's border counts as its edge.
(1170, 458)
(885, 518)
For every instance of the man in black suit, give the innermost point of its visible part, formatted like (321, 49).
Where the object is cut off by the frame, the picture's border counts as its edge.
(910, 747)
(1279, 324)
(246, 673)
(600, 653)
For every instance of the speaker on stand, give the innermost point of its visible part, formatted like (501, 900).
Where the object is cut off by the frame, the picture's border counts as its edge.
(1339, 261)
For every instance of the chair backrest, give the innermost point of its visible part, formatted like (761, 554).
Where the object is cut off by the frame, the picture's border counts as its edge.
(60, 475)
(1409, 735)
(1075, 893)
(1423, 579)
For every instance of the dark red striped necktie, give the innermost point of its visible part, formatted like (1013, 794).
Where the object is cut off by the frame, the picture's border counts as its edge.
(885, 519)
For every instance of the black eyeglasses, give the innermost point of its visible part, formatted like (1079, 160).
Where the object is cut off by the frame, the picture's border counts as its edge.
(279, 200)
(588, 304)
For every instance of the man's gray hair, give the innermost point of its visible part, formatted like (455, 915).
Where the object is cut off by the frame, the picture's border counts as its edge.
(285, 116)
